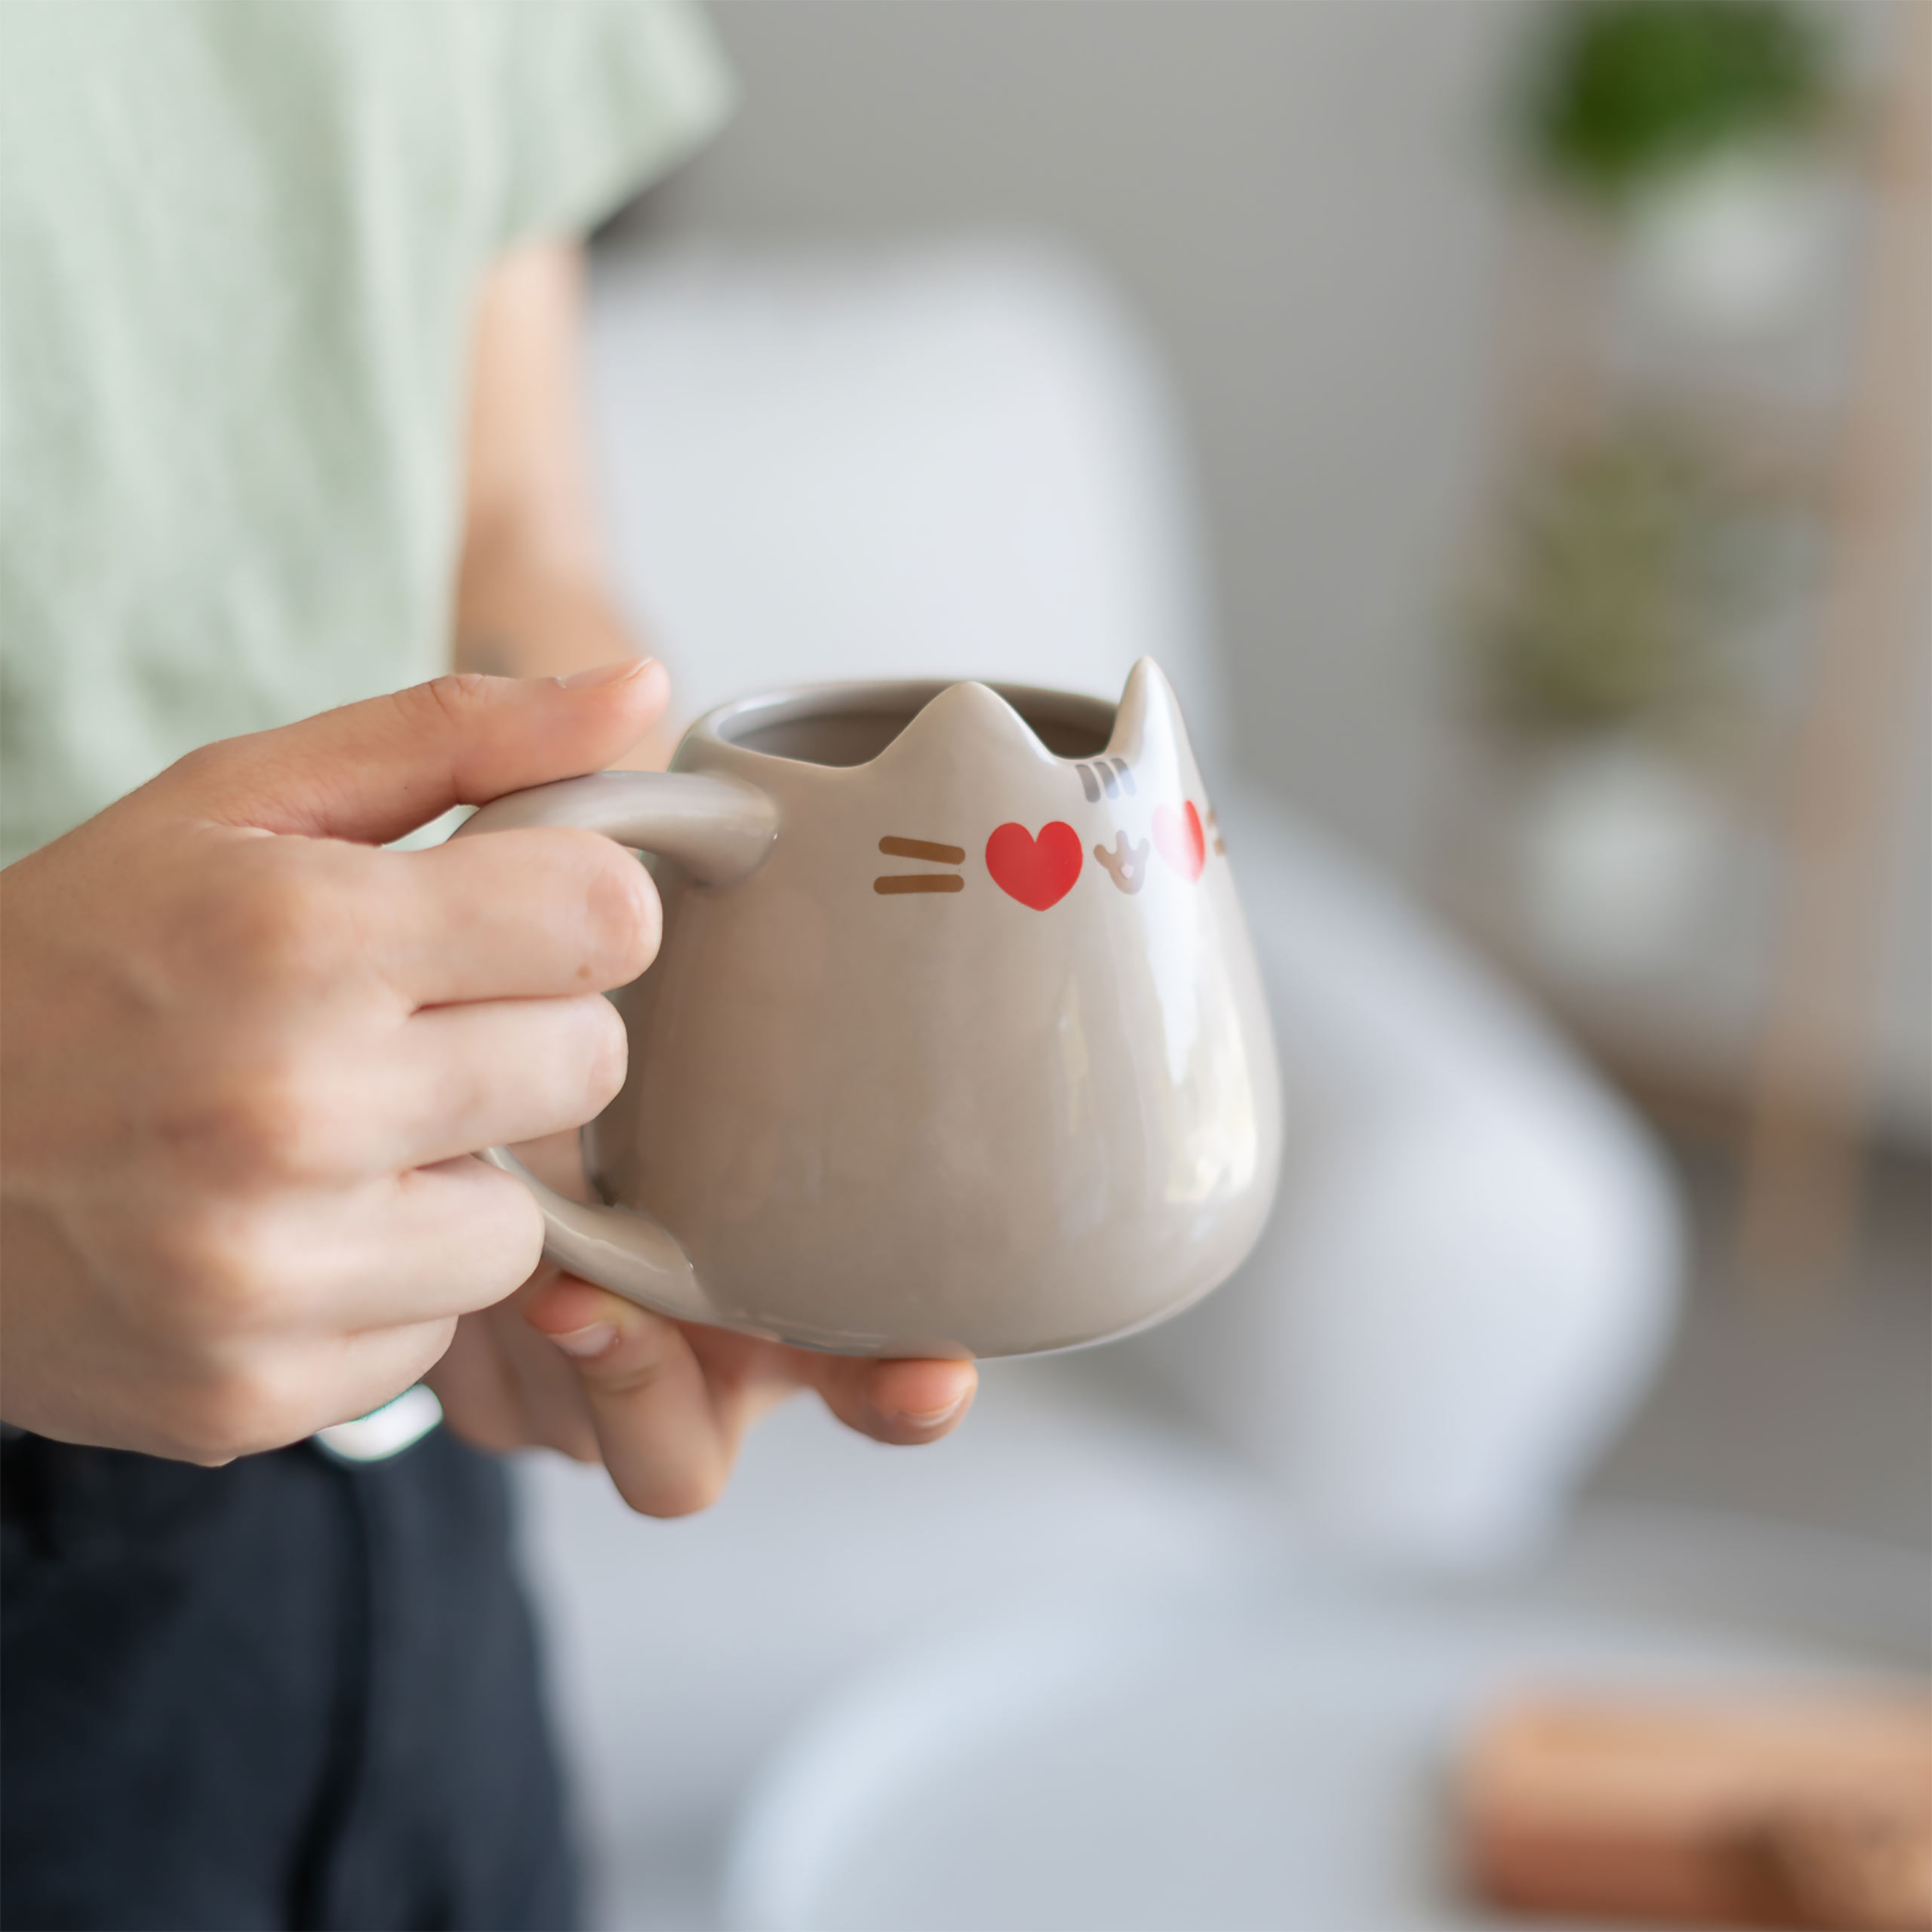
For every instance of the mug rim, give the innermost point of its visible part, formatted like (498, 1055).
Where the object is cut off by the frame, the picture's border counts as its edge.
(906, 697)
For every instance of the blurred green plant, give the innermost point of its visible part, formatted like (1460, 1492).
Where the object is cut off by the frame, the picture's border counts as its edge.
(1611, 588)
(1629, 92)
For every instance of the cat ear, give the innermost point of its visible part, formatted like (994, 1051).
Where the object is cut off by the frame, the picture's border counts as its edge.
(1148, 727)
(962, 714)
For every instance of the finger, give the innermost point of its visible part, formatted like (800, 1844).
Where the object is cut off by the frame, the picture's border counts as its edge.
(481, 1397)
(504, 1386)
(748, 1376)
(310, 1388)
(904, 1402)
(521, 915)
(373, 770)
(667, 1449)
(423, 1246)
(463, 1078)
(556, 1410)
(378, 1368)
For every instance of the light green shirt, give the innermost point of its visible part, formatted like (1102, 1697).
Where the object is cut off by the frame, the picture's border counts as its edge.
(240, 242)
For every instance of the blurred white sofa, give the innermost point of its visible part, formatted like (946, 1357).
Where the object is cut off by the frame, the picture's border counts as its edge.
(960, 460)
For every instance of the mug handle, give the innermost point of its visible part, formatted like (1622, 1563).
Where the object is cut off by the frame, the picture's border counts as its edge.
(720, 830)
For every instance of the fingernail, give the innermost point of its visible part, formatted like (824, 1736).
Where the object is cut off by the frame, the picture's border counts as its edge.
(604, 674)
(929, 1418)
(585, 1343)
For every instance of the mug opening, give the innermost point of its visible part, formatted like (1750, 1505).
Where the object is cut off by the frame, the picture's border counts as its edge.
(852, 727)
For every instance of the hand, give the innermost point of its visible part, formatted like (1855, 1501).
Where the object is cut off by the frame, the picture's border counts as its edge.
(243, 1061)
(663, 1406)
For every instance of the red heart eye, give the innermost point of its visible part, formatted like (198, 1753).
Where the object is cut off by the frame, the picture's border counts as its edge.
(1037, 872)
(1180, 839)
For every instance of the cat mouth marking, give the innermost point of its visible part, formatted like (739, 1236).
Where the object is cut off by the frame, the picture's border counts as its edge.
(1127, 863)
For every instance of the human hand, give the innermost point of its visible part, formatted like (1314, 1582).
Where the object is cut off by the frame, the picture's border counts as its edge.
(244, 1055)
(662, 1405)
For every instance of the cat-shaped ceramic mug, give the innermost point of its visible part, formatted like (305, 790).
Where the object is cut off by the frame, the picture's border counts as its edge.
(955, 1043)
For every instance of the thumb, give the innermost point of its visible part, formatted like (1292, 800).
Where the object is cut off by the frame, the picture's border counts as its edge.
(373, 770)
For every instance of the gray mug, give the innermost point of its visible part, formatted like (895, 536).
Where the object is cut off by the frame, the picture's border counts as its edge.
(955, 1044)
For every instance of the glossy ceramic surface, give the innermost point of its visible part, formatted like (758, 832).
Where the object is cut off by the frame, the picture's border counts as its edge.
(955, 1043)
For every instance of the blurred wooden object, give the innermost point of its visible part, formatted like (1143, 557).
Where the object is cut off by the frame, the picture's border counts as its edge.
(1798, 1815)
(1802, 1144)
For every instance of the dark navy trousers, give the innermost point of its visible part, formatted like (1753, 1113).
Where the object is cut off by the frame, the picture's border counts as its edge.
(287, 1692)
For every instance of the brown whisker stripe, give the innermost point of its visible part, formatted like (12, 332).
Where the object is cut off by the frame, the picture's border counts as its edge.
(919, 882)
(921, 848)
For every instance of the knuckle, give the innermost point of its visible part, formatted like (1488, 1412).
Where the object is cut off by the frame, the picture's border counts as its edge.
(454, 699)
(287, 925)
(274, 1116)
(204, 765)
(214, 1272)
